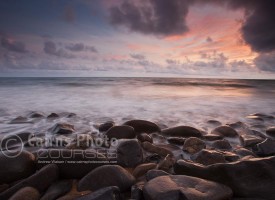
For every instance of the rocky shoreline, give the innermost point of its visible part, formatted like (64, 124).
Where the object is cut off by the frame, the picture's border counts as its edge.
(138, 159)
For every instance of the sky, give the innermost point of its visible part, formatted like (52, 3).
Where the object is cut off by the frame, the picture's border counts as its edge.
(175, 38)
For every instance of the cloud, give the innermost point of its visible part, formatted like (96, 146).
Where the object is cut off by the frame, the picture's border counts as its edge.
(209, 39)
(13, 45)
(137, 56)
(51, 49)
(77, 47)
(266, 62)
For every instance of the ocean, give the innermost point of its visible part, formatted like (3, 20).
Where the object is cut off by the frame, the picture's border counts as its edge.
(166, 101)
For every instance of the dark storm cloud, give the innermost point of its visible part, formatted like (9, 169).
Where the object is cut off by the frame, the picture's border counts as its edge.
(137, 56)
(266, 62)
(12, 45)
(51, 49)
(168, 17)
(78, 47)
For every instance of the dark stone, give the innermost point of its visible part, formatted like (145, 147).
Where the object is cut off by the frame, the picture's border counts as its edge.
(147, 146)
(225, 131)
(151, 174)
(181, 131)
(26, 193)
(18, 139)
(143, 126)
(106, 126)
(62, 128)
(3, 187)
(20, 120)
(271, 131)
(52, 115)
(35, 115)
(253, 178)
(153, 158)
(41, 180)
(208, 157)
(185, 187)
(67, 161)
(16, 168)
(140, 170)
(176, 140)
(108, 175)
(137, 191)
(167, 163)
(212, 137)
(229, 156)
(193, 145)
(249, 140)
(214, 122)
(121, 132)
(107, 193)
(57, 189)
(244, 152)
(143, 137)
(265, 148)
(129, 153)
(222, 144)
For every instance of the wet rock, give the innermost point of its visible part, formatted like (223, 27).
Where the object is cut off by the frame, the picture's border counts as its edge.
(225, 131)
(137, 191)
(16, 166)
(71, 163)
(140, 170)
(249, 140)
(253, 178)
(265, 148)
(185, 187)
(62, 128)
(129, 153)
(143, 126)
(155, 158)
(151, 174)
(222, 144)
(167, 163)
(81, 141)
(35, 115)
(271, 131)
(107, 193)
(181, 131)
(147, 146)
(52, 116)
(229, 156)
(35, 142)
(41, 180)
(212, 137)
(176, 140)
(214, 122)
(121, 132)
(57, 189)
(9, 141)
(20, 120)
(208, 157)
(236, 125)
(26, 193)
(3, 187)
(108, 175)
(244, 152)
(193, 145)
(106, 126)
(143, 137)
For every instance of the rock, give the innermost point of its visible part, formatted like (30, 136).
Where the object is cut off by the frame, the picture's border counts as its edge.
(137, 191)
(26, 193)
(81, 141)
(244, 152)
(62, 128)
(249, 140)
(229, 156)
(181, 131)
(140, 170)
(212, 137)
(129, 153)
(271, 131)
(265, 148)
(208, 157)
(225, 131)
(193, 145)
(214, 122)
(52, 115)
(106, 126)
(57, 189)
(155, 158)
(147, 146)
(121, 132)
(72, 164)
(167, 163)
(151, 174)
(143, 137)
(16, 168)
(3, 187)
(176, 140)
(20, 120)
(41, 180)
(35, 115)
(9, 141)
(253, 178)
(143, 126)
(222, 144)
(107, 193)
(108, 175)
(35, 142)
(185, 187)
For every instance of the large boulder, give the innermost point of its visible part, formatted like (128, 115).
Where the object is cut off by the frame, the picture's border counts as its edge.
(225, 131)
(193, 145)
(106, 126)
(265, 148)
(143, 126)
(252, 178)
(14, 140)
(16, 168)
(41, 180)
(121, 132)
(182, 131)
(108, 175)
(184, 187)
(71, 163)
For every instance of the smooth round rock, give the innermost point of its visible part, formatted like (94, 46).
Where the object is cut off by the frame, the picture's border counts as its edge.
(225, 131)
(181, 131)
(212, 137)
(106, 126)
(121, 132)
(271, 131)
(193, 145)
(176, 140)
(143, 126)
(143, 137)
(9, 141)
(250, 140)
(26, 193)
(185, 187)
(104, 176)
(151, 174)
(57, 189)
(52, 116)
(222, 144)
(140, 170)
(208, 157)
(147, 146)
(62, 128)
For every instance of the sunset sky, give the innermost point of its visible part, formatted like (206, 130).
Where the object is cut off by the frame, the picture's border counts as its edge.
(174, 38)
